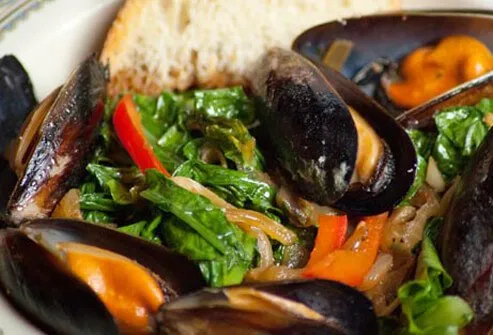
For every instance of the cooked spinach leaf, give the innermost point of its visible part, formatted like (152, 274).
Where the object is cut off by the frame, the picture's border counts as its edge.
(426, 308)
(236, 187)
(460, 132)
(233, 138)
(423, 143)
(233, 247)
(226, 103)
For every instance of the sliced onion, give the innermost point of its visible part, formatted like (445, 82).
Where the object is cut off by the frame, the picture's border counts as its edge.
(434, 177)
(401, 236)
(447, 197)
(384, 294)
(380, 268)
(244, 218)
(20, 151)
(395, 226)
(69, 206)
(273, 273)
(264, 248)
(273, 229)
(212, 155)
(197, 188)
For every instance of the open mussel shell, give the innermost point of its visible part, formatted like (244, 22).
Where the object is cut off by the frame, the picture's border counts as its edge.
(59, 146)
(467, 94)
(314, 137)
(34, 281)
(387, 38)
(467, 237)
(180, 276)
(36, 276)
(300, 307)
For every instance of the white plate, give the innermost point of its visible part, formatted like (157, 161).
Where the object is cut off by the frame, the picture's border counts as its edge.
(50, 37)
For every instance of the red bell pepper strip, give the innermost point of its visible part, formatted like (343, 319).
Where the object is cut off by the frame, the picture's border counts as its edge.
(128, 127)
(330, 236)
(350, 264)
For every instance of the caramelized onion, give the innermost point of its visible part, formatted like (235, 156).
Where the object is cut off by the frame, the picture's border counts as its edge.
(384, 293)
(273, 273)
(212, 155)
(264, 249)
(244, 218)
(197, 188)
(402, 233)
(69, 206)
(21, 149)
(380, 268)
(273, 229)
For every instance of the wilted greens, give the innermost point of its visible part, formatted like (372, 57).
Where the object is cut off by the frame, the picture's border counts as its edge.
(204, 135)
(460, 132)
(185, 130)
(427, 309)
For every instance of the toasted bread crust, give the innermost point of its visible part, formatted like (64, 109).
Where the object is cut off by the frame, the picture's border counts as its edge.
(140, 79)
(119, 30)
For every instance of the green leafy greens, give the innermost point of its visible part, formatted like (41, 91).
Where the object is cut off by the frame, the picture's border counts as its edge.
(426, 308)
(460, 132)
(182, 129)
(233, 249)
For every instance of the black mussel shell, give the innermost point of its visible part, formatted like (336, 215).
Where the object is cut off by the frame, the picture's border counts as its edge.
(16, 98)
(398, 174)
(467, 237)
(36, 283)
(311, 130)
(304, 110)
(389, 36)
(66, 137)
(179, 275)
(302, 307)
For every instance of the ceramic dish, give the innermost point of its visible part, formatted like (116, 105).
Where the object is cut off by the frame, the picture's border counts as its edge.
(51, 36)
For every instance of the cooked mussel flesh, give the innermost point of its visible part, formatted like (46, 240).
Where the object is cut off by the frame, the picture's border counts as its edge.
(467, 237)
(55, 270)
(440, 41)
(56, 149)
(330, 138)
(34, 281)
(302, 307)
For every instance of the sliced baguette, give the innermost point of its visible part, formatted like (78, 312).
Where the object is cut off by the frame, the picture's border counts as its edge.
(155, 45)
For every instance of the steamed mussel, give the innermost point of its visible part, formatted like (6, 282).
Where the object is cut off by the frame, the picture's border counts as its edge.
(455, 43)
(77, 278)
(299, 307)
(467, 237)
(51, 153)
(339, 147)
(47, 265)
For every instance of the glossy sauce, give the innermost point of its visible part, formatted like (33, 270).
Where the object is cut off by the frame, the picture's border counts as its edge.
(430, 71)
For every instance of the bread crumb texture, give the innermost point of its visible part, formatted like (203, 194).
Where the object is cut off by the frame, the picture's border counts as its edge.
(155, 45)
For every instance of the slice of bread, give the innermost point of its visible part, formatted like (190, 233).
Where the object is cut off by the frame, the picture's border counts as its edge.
(176, 44)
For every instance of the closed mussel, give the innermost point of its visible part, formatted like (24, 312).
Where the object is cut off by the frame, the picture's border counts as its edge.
(467, 237)
(303, 307)
(330, 138)
(52, 149)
